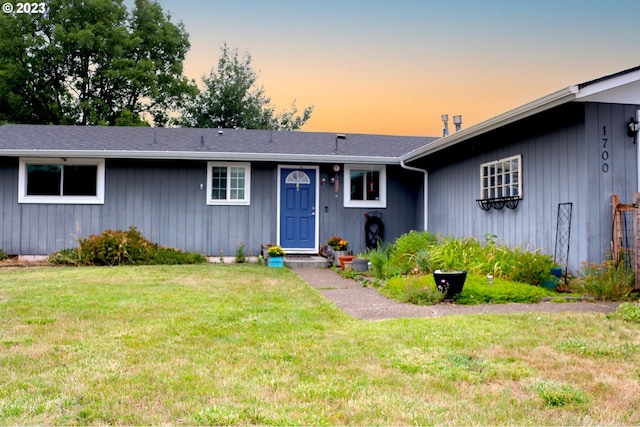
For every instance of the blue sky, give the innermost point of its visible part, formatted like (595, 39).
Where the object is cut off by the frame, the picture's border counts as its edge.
(392, 67)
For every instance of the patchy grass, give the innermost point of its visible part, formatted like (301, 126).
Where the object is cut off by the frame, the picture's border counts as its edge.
(242, 344)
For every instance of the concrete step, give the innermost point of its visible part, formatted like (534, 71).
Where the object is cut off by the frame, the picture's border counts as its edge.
(305, 261)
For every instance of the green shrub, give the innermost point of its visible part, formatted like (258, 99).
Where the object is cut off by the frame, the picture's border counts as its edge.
(457, 254)
(407, 246)
(240, 255)
(424, 251)
(628, 311)
(3, 255)
(117, 247)
(163, 255)
(66, 257)
(477, 290)
(609, 281)
(379, 259)
(419, 290)
(530, 267)
(516, 264)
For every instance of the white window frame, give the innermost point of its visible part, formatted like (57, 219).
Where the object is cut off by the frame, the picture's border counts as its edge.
(98, 199)
(246, 201)
(381, 202)
(503, 180)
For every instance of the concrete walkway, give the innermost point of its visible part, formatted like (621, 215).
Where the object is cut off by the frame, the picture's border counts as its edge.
(368, 304)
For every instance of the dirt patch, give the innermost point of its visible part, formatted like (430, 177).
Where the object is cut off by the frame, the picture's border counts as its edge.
(14, 261)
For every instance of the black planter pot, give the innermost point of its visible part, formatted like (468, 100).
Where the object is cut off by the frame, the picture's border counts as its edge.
(451, 282)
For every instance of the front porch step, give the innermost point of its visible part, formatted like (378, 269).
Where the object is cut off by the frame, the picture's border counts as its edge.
(305, 261)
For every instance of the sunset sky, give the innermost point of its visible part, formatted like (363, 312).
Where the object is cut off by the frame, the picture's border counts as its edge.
(393, 67)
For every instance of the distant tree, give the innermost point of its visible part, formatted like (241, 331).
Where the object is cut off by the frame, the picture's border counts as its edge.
(230, 98)
(91, 62)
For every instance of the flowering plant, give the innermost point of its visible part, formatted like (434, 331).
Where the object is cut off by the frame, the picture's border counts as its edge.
(275, 251)
(443, 286)
(341, 245)
(334, 240)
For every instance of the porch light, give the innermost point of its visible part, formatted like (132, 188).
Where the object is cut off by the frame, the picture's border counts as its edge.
(633, 126)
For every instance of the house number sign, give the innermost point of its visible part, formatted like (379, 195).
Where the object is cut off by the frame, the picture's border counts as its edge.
(605, 154)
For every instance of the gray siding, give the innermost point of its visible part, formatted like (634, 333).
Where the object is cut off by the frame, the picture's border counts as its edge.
(164, 200)
(561, 162)
(402, 214)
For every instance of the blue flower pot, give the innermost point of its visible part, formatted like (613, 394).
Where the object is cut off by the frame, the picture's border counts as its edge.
(276, 261)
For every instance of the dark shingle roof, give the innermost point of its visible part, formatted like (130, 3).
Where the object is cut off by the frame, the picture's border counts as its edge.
(140, 142)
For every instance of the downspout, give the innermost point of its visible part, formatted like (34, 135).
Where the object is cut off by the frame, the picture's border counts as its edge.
(425, 190)
(638, 149)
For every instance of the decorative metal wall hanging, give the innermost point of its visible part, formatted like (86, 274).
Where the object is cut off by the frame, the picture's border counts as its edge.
(498, 203)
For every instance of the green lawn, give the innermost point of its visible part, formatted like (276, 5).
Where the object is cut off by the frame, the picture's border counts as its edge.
(243, 344)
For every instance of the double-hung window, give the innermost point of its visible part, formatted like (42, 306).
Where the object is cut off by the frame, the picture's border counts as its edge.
(501, 178)
(365, 186)
(61, 181)
(228, 183)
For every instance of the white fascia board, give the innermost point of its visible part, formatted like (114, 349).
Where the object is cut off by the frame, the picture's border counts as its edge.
(191, 155)
(608, 84)
(542, 104)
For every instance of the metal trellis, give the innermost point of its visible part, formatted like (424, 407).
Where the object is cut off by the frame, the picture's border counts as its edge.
(563, 234)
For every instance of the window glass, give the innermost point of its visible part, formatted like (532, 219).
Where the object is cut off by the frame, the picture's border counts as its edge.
(80, 180)
(501, 178)
(373, 185)
(237, 183)
(219, 183)
(61, 181)
(366, 186)
(228, 183)
(44, 180)
(357, 185)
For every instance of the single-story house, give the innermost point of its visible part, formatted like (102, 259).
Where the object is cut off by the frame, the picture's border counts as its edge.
(210, 190)
(204, 190)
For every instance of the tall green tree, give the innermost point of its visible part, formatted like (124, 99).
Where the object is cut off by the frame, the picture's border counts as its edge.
(91, 62)
(230, 98)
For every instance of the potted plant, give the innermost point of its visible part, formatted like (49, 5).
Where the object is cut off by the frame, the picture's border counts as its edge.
(450, 282)
(339, 250)
(327, 248)
(344, 259)
(276, 255)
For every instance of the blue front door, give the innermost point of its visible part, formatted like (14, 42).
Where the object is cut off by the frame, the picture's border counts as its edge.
(298, 209)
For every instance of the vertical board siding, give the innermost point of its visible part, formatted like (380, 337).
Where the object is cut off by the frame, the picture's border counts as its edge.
(162, 199)
(559, 164)
(400, 216)
(9, 229)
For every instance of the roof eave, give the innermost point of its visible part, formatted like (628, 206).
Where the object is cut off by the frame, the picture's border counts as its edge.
(542, 104)
(206, 155)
